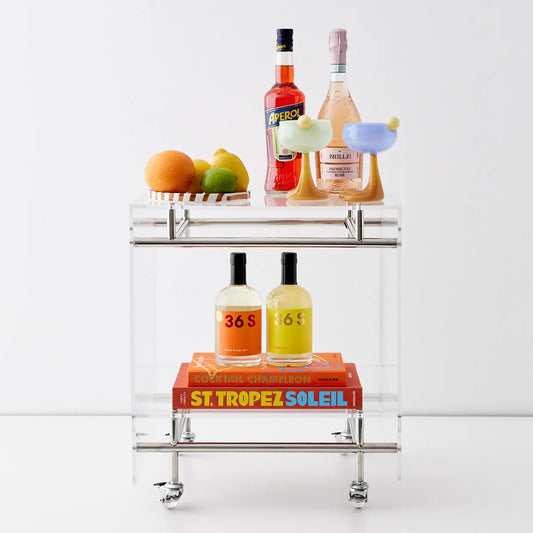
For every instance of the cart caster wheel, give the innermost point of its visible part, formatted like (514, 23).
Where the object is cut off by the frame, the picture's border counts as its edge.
(358, 494)
(188, 436)
(342, 436)
(170, 493)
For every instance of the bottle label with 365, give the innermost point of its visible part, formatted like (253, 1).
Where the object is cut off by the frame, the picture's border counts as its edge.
(239, 332)
(290, 331)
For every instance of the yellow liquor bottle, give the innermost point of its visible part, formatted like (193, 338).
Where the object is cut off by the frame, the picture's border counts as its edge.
(289, 319)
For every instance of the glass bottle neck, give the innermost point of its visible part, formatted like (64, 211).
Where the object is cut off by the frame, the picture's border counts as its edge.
(238, 274)
(284, 67)
(337, 84)
(288, 274)
(338, 77)
(338, 66)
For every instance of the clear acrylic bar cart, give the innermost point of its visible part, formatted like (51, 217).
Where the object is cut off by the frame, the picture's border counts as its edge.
(348, 259)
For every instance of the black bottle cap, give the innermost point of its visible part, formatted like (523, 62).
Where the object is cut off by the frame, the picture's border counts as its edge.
(284, 41)
(238, 268)
(288, 268)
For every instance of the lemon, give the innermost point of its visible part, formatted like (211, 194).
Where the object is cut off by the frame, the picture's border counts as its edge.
(219, 180)
(224, 159)
(200, 166)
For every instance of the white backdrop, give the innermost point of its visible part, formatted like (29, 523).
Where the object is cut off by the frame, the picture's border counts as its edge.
(90, 90)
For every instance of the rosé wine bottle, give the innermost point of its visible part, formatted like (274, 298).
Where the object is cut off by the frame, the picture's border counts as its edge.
(338, 168)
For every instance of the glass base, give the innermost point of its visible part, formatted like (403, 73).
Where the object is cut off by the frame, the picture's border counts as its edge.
(238, 360)
(276, 193)
(301, 359)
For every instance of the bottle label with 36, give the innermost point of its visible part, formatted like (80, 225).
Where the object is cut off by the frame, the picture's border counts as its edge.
(239, 332)
(290, 331)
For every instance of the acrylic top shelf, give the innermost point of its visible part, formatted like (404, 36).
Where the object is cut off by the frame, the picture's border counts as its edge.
(263, 222)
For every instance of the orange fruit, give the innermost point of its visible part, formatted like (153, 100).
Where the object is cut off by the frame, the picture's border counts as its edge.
(169, 171)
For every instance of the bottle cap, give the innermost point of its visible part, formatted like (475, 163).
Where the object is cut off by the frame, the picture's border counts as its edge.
(238, 258)
(284, 40)
(338, 44)
(289, 258)
(288, 268)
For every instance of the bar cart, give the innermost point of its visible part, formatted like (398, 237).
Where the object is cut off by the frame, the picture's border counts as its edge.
(349, 260)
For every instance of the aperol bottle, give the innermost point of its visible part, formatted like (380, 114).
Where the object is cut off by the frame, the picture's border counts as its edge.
(283, 102)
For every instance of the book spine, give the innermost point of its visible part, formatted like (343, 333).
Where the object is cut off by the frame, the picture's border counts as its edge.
(266, 398)
(262, 379)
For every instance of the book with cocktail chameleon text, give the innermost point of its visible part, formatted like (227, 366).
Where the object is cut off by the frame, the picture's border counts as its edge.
(326, 370)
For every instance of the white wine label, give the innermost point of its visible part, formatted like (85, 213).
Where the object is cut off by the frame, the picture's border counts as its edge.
(339, 172)
(339, 164)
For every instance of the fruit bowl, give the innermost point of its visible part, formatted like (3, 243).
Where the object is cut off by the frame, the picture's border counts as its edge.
(233, 198)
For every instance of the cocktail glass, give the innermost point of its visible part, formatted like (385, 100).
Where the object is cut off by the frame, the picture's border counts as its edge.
(370, 138)
(305, 135)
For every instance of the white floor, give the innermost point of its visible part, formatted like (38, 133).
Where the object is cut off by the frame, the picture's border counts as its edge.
(73, 474)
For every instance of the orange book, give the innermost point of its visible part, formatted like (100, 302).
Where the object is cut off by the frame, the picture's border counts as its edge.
(269, 397)
(326, 370)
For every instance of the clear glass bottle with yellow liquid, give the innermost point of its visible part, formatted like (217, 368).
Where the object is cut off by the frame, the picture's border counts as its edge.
(289, 319)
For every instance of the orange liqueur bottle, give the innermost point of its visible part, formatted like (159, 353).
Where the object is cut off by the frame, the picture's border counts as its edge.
(337, 167)
(283, 102)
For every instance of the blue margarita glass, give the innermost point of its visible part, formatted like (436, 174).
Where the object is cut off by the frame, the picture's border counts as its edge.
(370, 138)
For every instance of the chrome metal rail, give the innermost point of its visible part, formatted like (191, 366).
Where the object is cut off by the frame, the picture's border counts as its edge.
(350, 441)
(268, 447)
(178, 232)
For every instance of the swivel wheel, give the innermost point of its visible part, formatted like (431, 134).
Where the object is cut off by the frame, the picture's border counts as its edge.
(170, 493)
(342, 436)
(358, 494)
(188, 436)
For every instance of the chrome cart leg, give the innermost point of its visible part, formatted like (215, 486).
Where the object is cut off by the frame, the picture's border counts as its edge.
(358, 494)
(170, 492)
(188, 435)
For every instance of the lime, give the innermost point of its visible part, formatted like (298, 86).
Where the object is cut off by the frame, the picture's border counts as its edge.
(219, 180)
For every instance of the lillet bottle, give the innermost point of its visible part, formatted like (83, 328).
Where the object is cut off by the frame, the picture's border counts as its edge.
(289, 319)
(284, 101)
(238, 319)
(337, 167)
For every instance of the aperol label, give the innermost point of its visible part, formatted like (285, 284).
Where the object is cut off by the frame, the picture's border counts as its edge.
(278, 114)
(239, 332)
(272, 119)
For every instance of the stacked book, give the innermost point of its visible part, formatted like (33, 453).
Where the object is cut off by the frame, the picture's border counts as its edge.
(327, 383)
